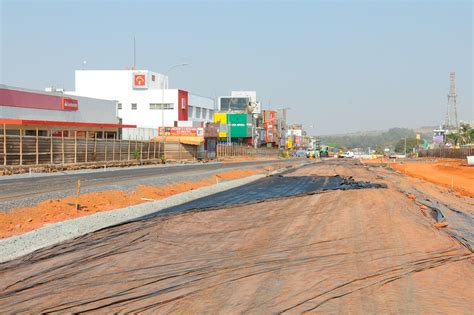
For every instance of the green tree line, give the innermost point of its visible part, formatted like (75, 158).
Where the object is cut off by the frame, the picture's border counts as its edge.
(383, 139)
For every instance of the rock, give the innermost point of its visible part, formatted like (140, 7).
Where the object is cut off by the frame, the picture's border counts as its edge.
(441, 224)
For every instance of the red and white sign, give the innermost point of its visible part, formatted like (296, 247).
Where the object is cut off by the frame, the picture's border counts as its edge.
(69, 104)
(181, 131)
(139, 80)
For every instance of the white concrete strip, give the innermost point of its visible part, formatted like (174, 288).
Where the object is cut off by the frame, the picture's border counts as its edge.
(51, 234)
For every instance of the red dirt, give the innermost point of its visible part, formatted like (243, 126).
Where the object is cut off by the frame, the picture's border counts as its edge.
(21, 220)
(376, 160)
(454, 174)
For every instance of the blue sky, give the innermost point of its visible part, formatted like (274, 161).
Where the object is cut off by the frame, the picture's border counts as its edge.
(341, 66)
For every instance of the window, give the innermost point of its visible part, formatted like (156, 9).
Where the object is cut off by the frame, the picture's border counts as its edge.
(190, 111)
(134, 106)
(198, 112)
(119, 105)
(153, 77)
(211, 114)
(204, 113)
(183, 103)
(161, 106)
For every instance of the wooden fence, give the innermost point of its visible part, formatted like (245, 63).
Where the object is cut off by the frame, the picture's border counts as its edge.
(38, 150)
(224, 150)
(461, 153)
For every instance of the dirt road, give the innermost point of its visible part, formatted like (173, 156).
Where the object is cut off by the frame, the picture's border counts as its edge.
(354, 251)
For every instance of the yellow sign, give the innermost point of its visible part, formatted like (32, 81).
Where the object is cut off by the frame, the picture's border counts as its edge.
(222, 119)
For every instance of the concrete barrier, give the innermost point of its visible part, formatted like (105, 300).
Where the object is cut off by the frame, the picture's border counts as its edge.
(470, 160)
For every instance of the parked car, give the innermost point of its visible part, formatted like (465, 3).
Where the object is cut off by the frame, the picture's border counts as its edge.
(349, 154)
(300, 153)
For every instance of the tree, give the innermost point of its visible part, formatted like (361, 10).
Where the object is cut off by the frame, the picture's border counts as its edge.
(466, 134)
(400, 145)
(453, 138)
(378, 150)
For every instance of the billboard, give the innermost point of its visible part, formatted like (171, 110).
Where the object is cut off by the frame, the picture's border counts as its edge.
(438, 138)
(181, 131)
(229, 103)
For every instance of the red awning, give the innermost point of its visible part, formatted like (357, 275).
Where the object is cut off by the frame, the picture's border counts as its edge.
(61, 123)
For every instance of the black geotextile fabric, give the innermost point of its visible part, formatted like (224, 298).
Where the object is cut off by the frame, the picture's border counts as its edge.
(271, 187)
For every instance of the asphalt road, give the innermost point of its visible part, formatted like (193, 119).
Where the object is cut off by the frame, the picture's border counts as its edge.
(26, 191)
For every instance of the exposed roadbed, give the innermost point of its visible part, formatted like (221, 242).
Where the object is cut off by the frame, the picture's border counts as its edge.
(55, 233)
(355, 251)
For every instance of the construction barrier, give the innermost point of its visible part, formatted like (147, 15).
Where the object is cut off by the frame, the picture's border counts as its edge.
(461, 153)
(242, 150)
(18, 150)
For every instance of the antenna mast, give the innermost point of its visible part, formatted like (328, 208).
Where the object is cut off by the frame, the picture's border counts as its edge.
(451, 121)
(134, 54)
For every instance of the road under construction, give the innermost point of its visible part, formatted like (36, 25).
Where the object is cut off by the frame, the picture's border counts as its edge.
(336, 236)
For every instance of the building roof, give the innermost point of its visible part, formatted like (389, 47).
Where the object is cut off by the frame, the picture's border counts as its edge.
(61, 123)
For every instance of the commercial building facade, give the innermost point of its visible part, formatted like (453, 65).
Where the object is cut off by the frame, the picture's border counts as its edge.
(35, 112)
(144, 100)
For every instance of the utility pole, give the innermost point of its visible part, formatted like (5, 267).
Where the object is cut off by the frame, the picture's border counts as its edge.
(405, 146)
(163, 86)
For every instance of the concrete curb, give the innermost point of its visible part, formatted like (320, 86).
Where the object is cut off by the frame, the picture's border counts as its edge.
(17, 246)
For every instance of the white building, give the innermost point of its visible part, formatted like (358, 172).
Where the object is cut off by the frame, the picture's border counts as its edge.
(142, 101)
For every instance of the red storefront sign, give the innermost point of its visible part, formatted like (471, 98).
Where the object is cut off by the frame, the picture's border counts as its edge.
(181, 131)
(69, 104)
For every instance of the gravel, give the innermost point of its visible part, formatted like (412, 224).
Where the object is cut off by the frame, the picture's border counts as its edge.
(195, 175)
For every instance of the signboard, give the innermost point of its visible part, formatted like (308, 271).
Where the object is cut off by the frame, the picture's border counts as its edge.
(181, 131)
(438, 138)
(140, 81)
(69, 104)
(239, 104)
(210, 131)
(295, 132)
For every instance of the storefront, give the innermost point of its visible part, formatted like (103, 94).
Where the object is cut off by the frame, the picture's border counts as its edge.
(35, 113)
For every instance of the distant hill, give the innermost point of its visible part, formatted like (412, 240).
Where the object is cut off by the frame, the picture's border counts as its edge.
(385, 138)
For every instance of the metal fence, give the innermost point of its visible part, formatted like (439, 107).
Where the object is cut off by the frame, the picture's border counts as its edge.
(238, 150)
(461, 153)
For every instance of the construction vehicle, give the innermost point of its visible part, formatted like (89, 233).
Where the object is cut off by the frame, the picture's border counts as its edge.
(324, 152)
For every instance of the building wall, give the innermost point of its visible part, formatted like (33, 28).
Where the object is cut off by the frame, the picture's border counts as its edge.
(182, 105)
(118, 85)
(197, 101)
(89, 110)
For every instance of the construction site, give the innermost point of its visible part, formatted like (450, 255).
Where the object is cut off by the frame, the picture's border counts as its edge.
(333, 236)
(284, 158)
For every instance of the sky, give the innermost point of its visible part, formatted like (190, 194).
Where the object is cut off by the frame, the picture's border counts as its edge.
(341, 66)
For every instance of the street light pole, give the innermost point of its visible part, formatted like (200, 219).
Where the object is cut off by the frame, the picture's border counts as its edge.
(163, 99)
(282, 125)
(405, 147)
